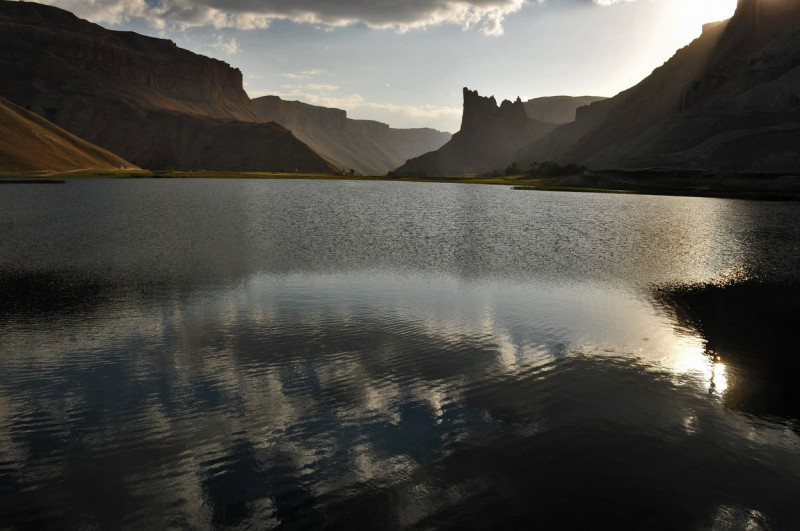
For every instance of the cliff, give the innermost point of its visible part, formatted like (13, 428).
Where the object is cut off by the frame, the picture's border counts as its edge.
(489, 135)
(54, 48)
(557, 109)
(367, 146)
(32, 144)
(142, 98)
(727, 103)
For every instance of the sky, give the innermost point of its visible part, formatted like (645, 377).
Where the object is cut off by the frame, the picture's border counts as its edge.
(404, 62)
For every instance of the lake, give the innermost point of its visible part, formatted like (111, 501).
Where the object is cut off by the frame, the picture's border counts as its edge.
(377, 355)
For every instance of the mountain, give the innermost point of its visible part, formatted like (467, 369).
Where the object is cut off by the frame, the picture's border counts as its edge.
(142, 98)
(489, 134)
(727, 102)
(32, 144)
(369, 147)
(557, 109)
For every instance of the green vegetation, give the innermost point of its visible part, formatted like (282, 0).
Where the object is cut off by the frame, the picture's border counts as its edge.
(537, 170)
(550, 168)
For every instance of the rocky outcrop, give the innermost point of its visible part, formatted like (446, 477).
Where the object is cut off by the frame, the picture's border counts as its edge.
(729, 102)
(367, 146)
(557, 109)
(31, 144)
(482, 113)
(142, 98)
(489, 135)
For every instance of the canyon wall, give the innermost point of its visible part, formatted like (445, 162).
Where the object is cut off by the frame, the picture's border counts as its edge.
(366, 146)
(141, 98)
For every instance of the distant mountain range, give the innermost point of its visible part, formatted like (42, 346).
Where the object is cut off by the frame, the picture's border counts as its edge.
(368, 147)
(729, 102)
(160, 106)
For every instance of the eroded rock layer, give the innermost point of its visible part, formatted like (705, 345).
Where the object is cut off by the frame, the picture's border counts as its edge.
(139, 97)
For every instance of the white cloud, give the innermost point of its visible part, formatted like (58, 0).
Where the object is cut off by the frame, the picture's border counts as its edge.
(399, 15)
(304, 74)
(356, 105)
(230, 47)
(314, 87)
(610, 2)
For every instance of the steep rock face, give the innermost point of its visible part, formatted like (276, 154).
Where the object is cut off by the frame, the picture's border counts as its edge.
(489, 135)
(142, 98)
(482, 113)
(56, 48)
(417, 141)
(557, 109)
(728, 102)
(366, 146)
(32, 144)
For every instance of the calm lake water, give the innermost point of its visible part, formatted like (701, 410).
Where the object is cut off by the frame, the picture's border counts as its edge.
(363, 355)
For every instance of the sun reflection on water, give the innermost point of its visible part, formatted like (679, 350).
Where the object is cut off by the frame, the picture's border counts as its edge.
(719, 378)
(691, 358)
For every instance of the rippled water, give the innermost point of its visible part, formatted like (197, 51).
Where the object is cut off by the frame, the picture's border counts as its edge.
(360, 355)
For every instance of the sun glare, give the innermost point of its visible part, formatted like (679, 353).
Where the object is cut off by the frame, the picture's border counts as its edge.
(692, 15)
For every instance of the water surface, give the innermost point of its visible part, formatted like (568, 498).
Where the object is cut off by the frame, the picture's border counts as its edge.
(295, 354)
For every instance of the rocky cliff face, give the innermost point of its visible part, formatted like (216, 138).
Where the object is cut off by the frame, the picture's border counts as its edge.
(142, 98)
(728, 102)
(367, 146)
(489, 134)
(557, 109)
(417, 141)
(481, 113)
(57, 48)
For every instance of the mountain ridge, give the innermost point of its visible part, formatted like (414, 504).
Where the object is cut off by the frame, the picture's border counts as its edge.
(143, 98)
(727, 102)
(160, 106)
(367, 146)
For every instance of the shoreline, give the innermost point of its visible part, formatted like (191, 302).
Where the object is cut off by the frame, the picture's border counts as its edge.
(647, 182)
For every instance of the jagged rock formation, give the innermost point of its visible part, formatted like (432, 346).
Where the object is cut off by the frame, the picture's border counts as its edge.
(489, 134)
(32, 144)
(728, 102)
(557, 109)
(369, 147)
(142, 98)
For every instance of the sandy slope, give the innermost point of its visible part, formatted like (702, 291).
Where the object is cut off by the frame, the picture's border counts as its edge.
(29, 143)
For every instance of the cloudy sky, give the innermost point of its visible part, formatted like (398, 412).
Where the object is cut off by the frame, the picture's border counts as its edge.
(404, 62)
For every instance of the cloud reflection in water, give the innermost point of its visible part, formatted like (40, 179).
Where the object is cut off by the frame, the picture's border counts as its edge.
(378, 407)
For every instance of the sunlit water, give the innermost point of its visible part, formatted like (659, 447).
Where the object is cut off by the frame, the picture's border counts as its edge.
(358, 355)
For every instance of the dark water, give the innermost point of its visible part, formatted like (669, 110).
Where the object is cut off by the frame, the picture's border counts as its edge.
(355, 355)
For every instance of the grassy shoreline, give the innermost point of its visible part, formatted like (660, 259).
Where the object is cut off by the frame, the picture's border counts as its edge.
(734, 186)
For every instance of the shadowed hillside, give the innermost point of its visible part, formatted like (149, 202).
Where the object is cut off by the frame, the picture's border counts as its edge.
(142, 98)
(728, 102)
(369, 147)
(32, 144)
